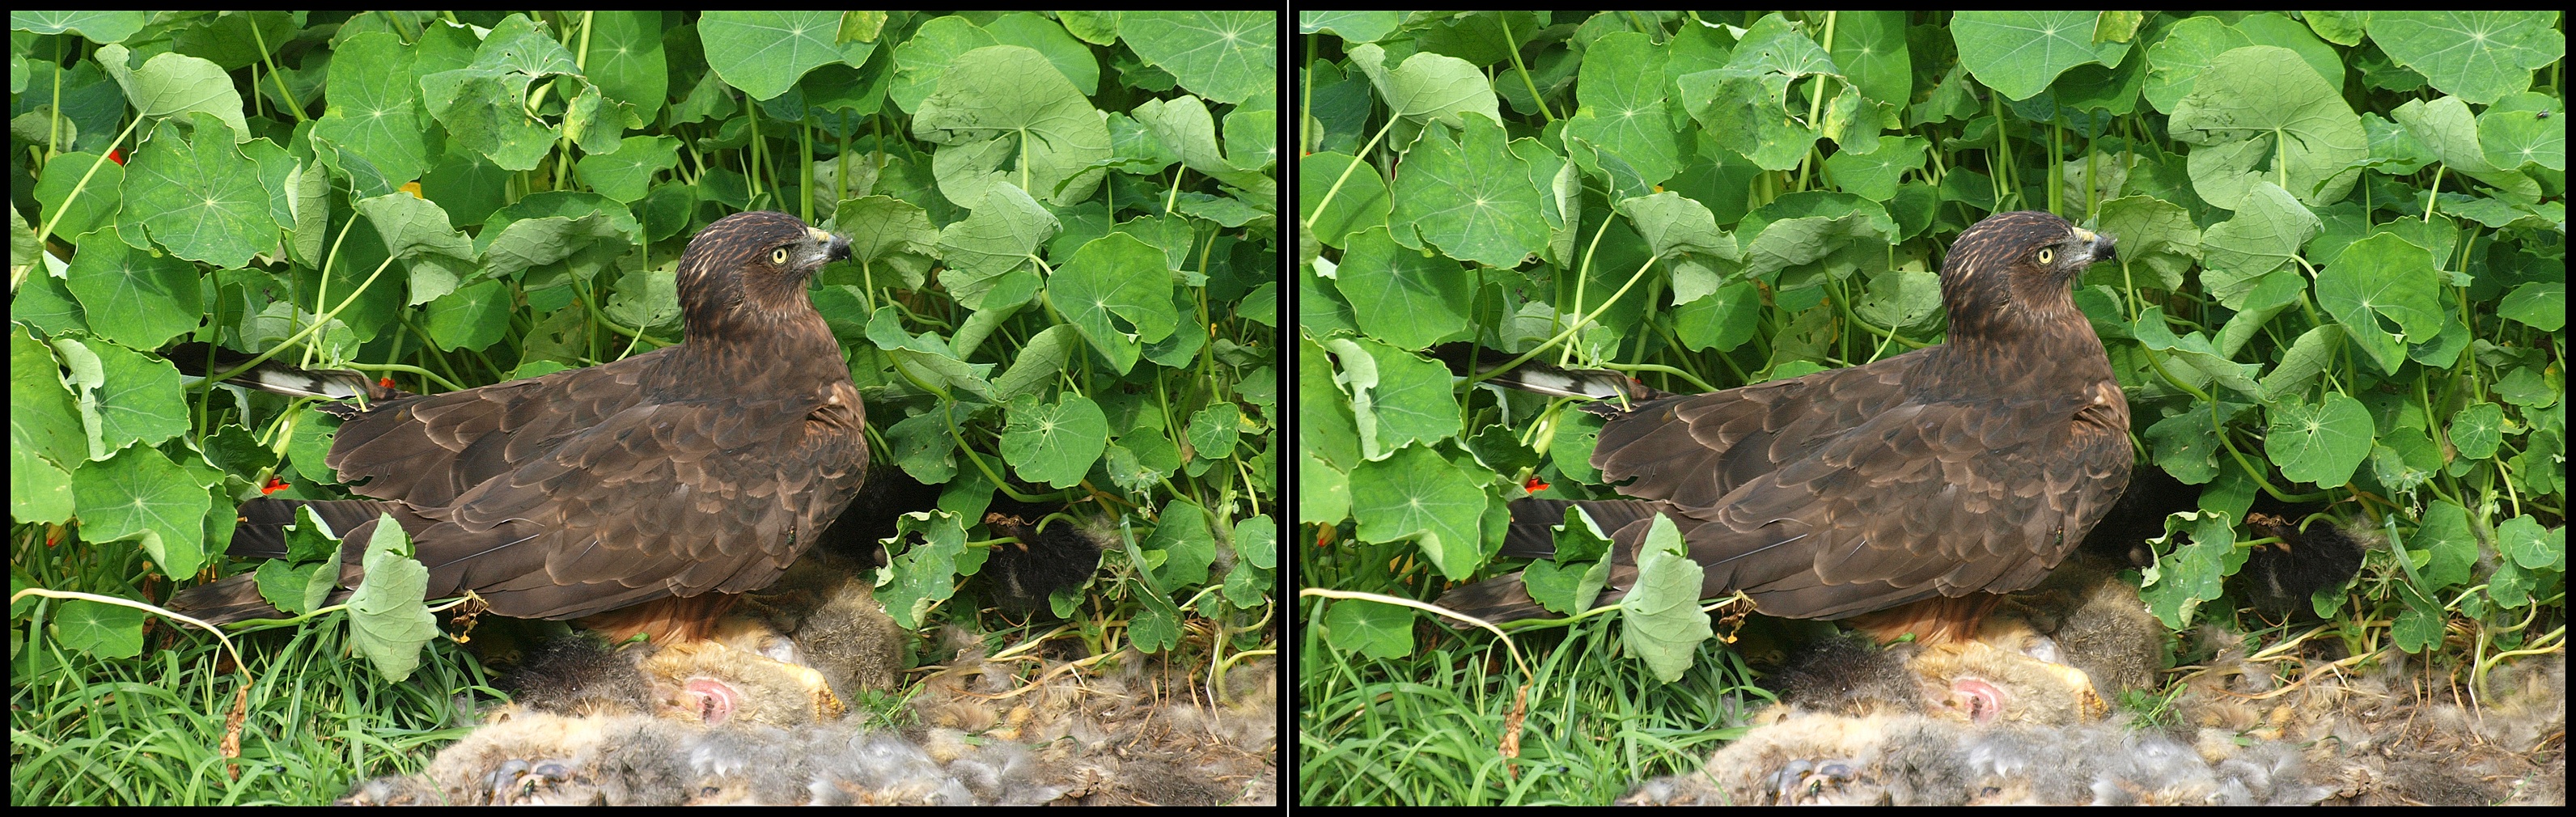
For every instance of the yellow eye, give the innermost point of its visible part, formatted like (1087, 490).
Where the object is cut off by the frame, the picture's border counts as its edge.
(779, 256)
(2047, 256)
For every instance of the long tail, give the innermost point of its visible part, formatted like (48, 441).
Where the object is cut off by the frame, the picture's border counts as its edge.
(1504, 598)
(1467, 359)
(259, 532)
(198, 359)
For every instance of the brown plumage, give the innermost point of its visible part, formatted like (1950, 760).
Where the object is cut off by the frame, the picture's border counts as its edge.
(701, 468)
(1973, 465)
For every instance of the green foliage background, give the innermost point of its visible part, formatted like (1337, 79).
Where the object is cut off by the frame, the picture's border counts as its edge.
(1064, 288)
(2341, 280)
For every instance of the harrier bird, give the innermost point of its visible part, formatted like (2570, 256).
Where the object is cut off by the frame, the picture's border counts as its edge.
(1969, 467)
(676, 477)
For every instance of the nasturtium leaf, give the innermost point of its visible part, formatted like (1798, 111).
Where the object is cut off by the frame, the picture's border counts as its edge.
(140, 494)
(1057, 442)
(2404, 459)
(1213, 430)
(991, 245)
(1571, 581)
(2177, 61)
(1010, 114)
(2448, 540)
(1157, 627)
(1898, 299)
(1256, 541)
(2319, 443)
(2447, 128)
(477, 315)
(1870, 48)
(2393, 148)
(2186, 444)
(295, 589)
(1381, 631)
(2525, 386)
(136, 298)
(388, 614)
(1428, 86)
(374, 105)
(1570, 447)
(2308, 357)
(627, 175)
(1402, 296)
(1683, 233)
(1351, 26)
(2528, 545)
(625, 60)
(1471, 198)
(1112, 279)
(1323, 491)
(411, 226)
(200, 198)
(926, 56)
(765, 52)
(1416, 494)
(99, 629)
(2338, 27)
(1663, 624)
(2383, 276)
(1397, 397)
(2271, 117)
(2477, 56)
(1184, 126)
(1747, 112)
(2477, 430)
(1874, 176)
(2275, 29)
(1358, 197)
(2539, 304)
(1227, 56)
(2156, 233)
(1623, 92)
(2269, 228)
(1037, 33)
(97, 26)
(1186, 546)
(175, 86)
(1807, 227)
(923, 447)
(99, 199)
(1325, 429)
(2018, 53)
(45, 434)
(926, 572)
(2515, 139)
(1722, 320)
(2193, 570)
(2417, 627)
(136, 399)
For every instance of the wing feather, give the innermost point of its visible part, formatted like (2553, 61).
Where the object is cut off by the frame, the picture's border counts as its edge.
(660, 499)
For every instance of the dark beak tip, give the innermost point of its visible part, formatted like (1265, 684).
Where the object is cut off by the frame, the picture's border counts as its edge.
(840, 250)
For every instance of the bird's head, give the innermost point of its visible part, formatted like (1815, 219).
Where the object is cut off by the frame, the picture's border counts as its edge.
(752, 265)
(2009, 272)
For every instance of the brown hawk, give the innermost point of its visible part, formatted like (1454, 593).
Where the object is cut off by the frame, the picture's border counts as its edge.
(680, 476)
(1972, 466)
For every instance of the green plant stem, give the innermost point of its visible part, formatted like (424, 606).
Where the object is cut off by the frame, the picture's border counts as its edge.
(1327, 201)
(1513, 47)
(325, 320)
(1570, 330)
